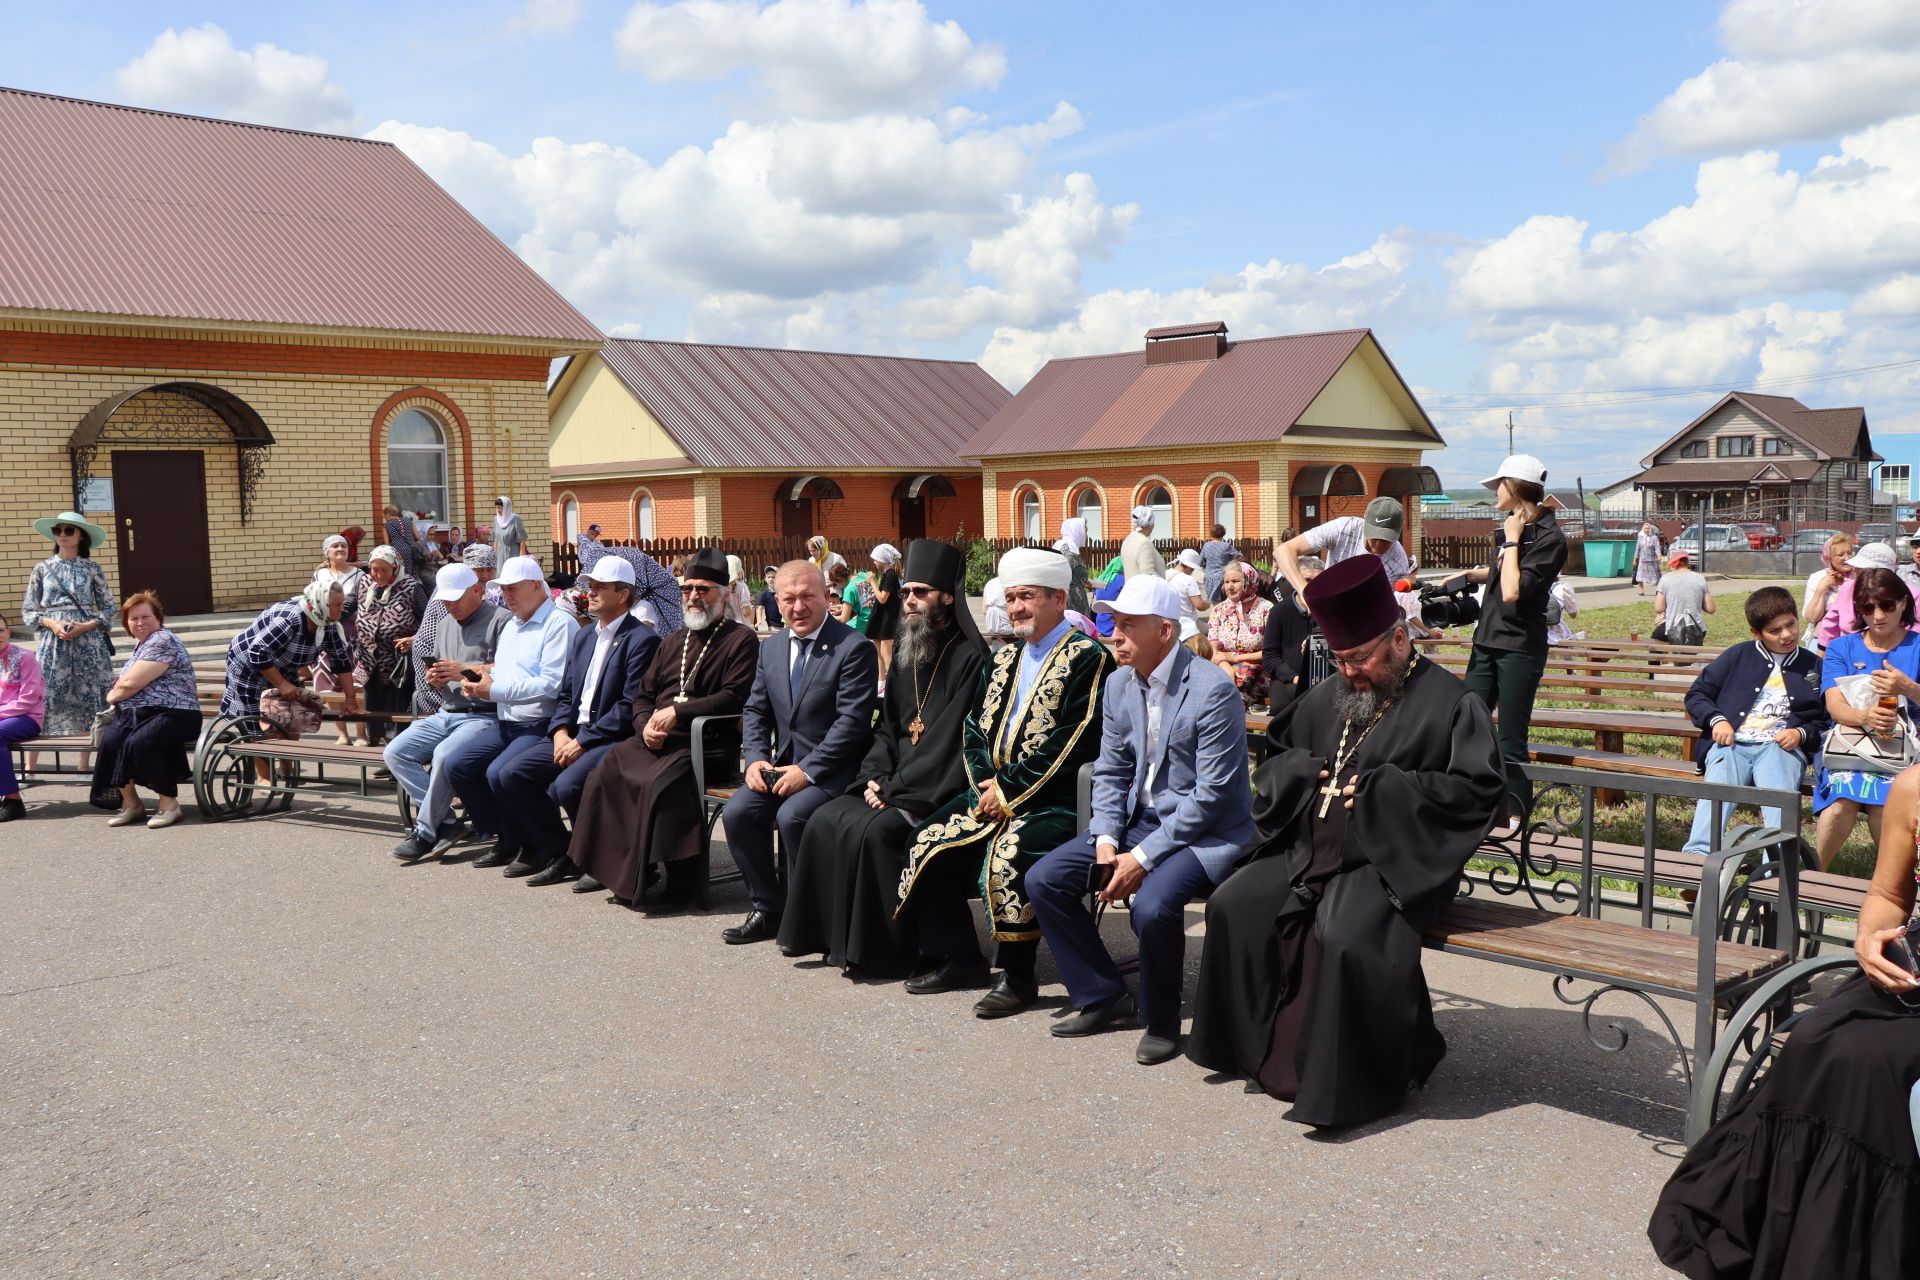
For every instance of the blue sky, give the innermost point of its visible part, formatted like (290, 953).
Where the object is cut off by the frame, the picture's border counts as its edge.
(1537, 207)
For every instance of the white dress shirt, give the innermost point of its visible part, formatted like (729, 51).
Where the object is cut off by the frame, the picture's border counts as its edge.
(602, 642)
(1155, 687)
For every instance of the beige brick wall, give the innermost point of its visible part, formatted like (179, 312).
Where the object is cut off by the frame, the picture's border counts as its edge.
(316, 481)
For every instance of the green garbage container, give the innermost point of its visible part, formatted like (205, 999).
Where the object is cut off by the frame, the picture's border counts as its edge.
(1610, 557)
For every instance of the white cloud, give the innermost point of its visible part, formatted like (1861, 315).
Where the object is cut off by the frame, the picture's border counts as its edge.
(1260, 299)
(1797, 72)
(199, 70)
(548, 15)
(819, 59)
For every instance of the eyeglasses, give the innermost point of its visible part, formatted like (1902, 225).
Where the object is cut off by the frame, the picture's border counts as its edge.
(919, 592)
(63, 530)
(1354, 661)
(696, 588)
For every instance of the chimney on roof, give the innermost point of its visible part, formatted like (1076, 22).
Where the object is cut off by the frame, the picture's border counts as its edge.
(1178, 343)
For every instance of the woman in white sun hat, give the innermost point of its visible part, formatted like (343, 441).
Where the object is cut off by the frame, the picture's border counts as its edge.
(70, 607)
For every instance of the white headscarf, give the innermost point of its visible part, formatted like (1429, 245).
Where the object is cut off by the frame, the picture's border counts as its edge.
(1143, 517)
(886, 553)
(504, 518)
(386, 554)
(1073, 532)
(332, 538)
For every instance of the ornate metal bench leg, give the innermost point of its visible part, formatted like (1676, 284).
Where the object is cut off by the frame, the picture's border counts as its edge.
(1757, 1014)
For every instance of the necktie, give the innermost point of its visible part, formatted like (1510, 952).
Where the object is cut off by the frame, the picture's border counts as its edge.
(797, 674)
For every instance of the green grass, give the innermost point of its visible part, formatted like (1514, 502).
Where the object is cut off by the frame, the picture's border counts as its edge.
(1727, 626)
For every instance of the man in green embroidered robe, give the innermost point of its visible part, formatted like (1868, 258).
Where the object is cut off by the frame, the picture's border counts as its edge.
(1036, 722)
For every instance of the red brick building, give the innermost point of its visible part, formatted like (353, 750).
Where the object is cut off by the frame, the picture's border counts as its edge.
(670, 440)
(1257, 435)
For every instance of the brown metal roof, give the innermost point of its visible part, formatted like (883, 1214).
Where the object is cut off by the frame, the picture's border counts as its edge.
(1724, 472)
(1831, 433)
(1256, 391)
(1186, 330)
(120, 211)
(809, 410)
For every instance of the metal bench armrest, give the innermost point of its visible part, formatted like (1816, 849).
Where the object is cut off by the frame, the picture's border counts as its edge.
(697, 733)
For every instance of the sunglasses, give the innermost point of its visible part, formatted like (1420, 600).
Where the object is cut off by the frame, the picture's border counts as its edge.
(919, 592)
(63, 530)
(697, 588)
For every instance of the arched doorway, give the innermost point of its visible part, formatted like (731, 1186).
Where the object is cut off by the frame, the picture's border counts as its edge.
(911, 497)
(157, 507)
(798, 502)
(1314, 486)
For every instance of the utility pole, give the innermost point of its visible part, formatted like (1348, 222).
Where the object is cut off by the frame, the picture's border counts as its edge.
(1509, 431)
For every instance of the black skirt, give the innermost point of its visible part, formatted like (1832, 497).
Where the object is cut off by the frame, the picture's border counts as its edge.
(146, 746)
(1816, 1172)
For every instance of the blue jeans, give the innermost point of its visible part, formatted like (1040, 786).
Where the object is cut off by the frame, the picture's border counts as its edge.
(1756, 764)
(434, 739)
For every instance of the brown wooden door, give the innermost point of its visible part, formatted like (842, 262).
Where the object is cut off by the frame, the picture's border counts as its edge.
(913, 518)
(796, 517)
(160, 525)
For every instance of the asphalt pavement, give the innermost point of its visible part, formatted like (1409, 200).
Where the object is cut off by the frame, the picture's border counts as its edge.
(264, 1048)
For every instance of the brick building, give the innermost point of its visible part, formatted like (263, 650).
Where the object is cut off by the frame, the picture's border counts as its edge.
(1257, 435)
(223, 342)
(657, 441)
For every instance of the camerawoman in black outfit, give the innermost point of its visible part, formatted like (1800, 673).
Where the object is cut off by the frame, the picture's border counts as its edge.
(1510, 644)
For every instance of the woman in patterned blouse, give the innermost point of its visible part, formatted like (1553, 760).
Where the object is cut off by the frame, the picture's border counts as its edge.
(69, 606)
(390, 608)
(1237, 630)
(157, 713)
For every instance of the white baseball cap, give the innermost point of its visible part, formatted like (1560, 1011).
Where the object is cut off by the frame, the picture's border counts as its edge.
(453, 581)
(608, 570)
(1518, 466)
(1144, 596)
(1875, 555)
(520, 569)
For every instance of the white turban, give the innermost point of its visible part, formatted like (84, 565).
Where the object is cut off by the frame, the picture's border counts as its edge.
(1029, 567)
(1143, 517)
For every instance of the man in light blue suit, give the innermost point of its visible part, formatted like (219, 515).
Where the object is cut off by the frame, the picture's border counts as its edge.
(1172, 813)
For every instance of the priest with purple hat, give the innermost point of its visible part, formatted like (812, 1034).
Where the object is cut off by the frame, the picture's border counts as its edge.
(1380, 783)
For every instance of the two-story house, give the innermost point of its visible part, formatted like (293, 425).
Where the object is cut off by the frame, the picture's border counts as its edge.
(1764, 458)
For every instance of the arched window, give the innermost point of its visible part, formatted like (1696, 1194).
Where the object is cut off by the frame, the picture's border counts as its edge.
(1030, 524)
(1087, 507)
(570, 518)
(417, 463)
(643, 516)
(1157, 497)
(1223, 508)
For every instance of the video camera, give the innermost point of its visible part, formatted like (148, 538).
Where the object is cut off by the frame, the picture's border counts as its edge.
(1445, 606)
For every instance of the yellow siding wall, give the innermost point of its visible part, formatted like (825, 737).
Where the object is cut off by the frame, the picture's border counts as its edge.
(1357, 396)
(598, 421)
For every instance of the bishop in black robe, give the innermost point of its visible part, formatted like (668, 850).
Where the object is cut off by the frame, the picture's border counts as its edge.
(1310, 978)
(846, 878)
(640, 805)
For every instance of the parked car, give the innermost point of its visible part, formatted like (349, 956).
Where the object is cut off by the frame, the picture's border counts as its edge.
(1891, 534)
(1809, 541)
(1720, 537)
(1762, 536)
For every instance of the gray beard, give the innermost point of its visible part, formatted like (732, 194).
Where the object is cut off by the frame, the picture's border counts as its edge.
(696, 618)
(920, 637)
(1361, 707)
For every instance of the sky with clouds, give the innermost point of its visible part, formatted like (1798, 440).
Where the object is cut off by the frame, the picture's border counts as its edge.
(1593, 217)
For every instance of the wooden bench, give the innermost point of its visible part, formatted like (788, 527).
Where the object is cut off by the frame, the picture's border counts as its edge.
(226, 783)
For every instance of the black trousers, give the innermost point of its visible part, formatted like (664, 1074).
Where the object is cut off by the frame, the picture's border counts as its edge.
(1507, 680)
(944, 917)
(146, 746)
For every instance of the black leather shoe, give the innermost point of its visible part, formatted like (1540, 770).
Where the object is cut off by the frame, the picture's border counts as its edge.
(559, 871)
(587, 884)
(521, 867)
(498, 856)
(757, 927)
(12, 807)
(413, 848)
(1156, 1049)
(677, 886)
(954, 975)
(1096, 1018)
(1009, 996)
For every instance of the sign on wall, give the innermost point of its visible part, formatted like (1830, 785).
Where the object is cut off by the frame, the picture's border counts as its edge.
(97, 495)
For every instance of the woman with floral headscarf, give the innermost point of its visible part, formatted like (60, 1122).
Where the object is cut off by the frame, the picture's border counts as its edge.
(1237, 631)
(824, 555)
(391, 603)
(286, 637)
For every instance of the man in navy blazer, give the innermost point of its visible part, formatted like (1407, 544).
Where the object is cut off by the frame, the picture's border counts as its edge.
(803, 732)
(1172, 813)
(594, 712)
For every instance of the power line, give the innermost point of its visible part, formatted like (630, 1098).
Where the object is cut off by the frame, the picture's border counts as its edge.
(1634, 395)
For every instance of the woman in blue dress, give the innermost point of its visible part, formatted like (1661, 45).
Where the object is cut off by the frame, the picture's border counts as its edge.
(1885, 648)
(68, 603)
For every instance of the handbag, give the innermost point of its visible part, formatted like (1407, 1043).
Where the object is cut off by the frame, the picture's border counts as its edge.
(1859, 751)
(290, 717)
(102, 720)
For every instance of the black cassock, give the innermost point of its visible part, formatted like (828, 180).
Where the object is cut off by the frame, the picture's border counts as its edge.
(846, 880)
(1310, 979)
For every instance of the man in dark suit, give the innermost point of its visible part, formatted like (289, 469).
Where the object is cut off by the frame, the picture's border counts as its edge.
(1172, 813)
(804, 731)
(594, 712)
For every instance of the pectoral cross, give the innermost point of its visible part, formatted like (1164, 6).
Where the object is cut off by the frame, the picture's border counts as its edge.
(915, 729)
(1331, 792)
